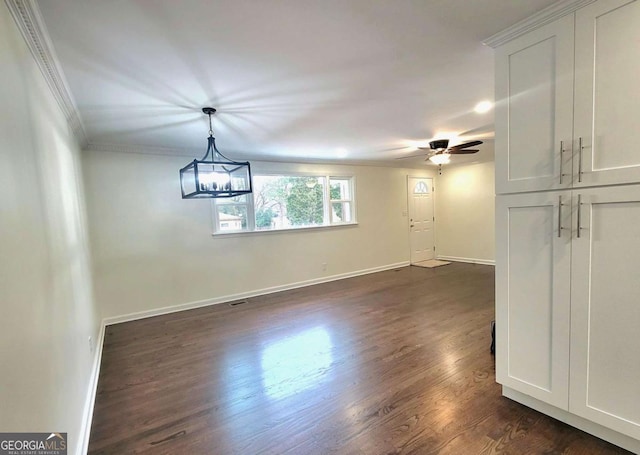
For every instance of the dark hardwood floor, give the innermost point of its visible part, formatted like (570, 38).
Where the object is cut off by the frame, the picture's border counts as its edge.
(393, 362)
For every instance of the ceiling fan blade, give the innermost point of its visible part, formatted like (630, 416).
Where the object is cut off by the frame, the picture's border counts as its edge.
(465, 145)
(463, 152)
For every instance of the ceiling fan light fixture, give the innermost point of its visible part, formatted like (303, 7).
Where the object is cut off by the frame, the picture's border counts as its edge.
(217, 177)
(440, 158)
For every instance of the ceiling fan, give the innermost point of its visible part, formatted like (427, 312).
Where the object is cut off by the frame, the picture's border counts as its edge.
(439, 150)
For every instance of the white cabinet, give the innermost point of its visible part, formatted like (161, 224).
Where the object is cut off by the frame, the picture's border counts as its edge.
(562, 123)
(533, 267)
(607, 93)
(567, 304)
(605, 308)
(534, 109)
(568, 216)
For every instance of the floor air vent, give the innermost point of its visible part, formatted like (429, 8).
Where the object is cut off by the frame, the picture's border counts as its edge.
(237, 302)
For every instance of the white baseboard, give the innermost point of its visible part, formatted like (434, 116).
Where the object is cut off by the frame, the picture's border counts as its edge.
(246, 295)
(599, 431)
(469, 260)
(87, 418)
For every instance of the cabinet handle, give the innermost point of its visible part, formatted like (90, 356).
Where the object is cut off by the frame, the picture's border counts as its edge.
(559, 216)
(579, 206)
(580, 147)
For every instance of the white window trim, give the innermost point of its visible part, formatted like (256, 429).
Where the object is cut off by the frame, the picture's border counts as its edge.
(251, 219)
(288, 230)
(338, 201)
(352, 201)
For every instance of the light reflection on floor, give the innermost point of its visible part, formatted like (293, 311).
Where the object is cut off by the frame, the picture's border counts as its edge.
(296, 363)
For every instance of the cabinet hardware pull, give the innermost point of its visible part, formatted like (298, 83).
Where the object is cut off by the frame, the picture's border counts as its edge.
(579, 207)
(580, 147)
(559, 216)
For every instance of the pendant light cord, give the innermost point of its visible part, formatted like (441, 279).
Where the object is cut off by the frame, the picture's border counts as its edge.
(211, 148)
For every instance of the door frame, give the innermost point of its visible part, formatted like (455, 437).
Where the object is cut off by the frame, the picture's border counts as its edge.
(433, 202)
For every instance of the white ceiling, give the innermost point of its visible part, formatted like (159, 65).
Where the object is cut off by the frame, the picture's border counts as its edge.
(291, 79)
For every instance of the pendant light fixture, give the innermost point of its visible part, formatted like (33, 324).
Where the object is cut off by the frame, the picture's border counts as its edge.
(218, 177)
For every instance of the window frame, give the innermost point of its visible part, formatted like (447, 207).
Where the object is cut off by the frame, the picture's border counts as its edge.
(351, 201)
(224, 201)
(327, 205)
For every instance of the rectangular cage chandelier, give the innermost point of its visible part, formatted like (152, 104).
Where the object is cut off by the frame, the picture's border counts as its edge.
(217, 177)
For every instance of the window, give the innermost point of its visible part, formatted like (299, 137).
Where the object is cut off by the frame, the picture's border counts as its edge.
(421, 188)
(232, 214)
(340, 191)
(287, 202)
(283, 202)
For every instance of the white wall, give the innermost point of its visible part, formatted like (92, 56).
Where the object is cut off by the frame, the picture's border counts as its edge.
(45, 284)
(152, 249)
(465, 201)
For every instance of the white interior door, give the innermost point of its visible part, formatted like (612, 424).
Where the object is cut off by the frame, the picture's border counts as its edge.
(420, 191)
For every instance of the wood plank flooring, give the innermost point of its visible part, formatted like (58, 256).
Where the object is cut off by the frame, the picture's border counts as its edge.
(395, 362)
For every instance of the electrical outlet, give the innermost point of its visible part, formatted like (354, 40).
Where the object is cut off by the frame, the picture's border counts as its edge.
(91, 344)
(324, 266)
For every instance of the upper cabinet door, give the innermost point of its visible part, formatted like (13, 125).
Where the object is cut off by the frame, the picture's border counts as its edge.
(534, 109)
(607, 93)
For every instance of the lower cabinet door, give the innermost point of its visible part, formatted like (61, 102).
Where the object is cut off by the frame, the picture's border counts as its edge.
(533, 266)
(605, 308)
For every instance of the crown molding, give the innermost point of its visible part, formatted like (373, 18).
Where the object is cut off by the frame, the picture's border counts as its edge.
(537, 20)
(101, 147)
(143, 149)
(31, 25)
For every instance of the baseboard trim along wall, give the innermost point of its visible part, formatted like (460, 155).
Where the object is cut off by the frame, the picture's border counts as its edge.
(469, 260)
(85, 431)
(246, 295)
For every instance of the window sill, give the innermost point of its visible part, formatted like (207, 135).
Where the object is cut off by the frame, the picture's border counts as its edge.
(283, 231)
